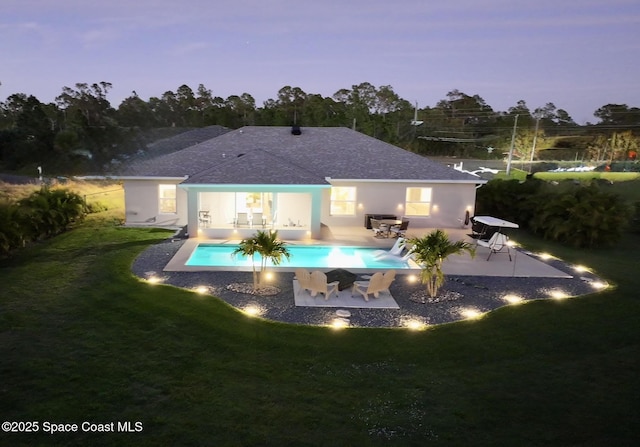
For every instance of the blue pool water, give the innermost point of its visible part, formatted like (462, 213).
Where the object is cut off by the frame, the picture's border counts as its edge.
(306, 256)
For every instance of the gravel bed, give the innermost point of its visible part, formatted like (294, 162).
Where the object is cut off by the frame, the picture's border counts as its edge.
(459, 293)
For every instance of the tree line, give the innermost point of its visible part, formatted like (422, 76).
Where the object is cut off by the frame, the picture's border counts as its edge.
(81, 131)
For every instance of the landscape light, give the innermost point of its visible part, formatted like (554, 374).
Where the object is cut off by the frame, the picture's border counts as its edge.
(580, 268)
(513, 299)
(412, 278)
(154, 280)
(339, 323)
(558, 294)
(545, 256)
(470, 313)
(415, 325)
(252, 310)
(202, 289)
(598, 284)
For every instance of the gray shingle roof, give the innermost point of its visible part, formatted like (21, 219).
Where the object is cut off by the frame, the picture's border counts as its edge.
(272, 153)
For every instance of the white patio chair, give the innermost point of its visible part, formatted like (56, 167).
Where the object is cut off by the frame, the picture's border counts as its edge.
(242, 219)
(496, 244)
(257, 220)
(379, 282)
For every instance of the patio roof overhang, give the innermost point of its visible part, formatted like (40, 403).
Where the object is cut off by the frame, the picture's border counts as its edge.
(243, 187)
(384, 180)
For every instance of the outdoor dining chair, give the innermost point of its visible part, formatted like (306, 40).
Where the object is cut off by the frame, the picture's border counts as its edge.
(242, 219)
(400, 230)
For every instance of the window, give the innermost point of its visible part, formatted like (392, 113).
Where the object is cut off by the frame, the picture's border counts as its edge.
(343, 200)
(168, 199)
(418, 202)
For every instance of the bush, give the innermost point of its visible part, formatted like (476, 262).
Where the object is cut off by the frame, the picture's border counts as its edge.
(42, 214)
(96, 207)
(509, 199)
(568, 212)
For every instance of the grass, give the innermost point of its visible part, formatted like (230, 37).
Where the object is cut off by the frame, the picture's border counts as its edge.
(591, 175)
(108, 193)
(84, 340)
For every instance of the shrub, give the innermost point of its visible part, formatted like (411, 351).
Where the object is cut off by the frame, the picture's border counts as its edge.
(568, 212)
(11, 234)
(96, 207)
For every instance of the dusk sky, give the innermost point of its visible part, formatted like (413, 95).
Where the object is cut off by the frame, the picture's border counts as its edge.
(577, 54)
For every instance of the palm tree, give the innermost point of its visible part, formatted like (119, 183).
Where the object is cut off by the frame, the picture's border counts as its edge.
(268, 246)
(248, 247)
(270, 249)
(430, 251)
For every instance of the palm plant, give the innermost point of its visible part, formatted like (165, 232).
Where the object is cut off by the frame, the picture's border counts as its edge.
(430, 251)
(268, 246)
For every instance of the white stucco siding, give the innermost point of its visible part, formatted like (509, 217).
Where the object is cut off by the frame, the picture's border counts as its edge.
(142, 203)
(449, 201)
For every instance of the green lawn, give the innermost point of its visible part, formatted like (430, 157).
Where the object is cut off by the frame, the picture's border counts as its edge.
(83, 340)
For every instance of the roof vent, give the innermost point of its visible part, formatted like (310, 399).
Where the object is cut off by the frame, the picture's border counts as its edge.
(295, 130)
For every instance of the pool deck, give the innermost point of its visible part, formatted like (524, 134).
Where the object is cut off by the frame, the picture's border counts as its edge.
(522, 263)
(478, 285)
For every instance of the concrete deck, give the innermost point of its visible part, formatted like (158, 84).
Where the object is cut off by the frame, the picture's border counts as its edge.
(522, 264)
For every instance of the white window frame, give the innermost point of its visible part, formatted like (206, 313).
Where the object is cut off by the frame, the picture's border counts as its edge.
(167, 203)
(411, 205)
(343, 206)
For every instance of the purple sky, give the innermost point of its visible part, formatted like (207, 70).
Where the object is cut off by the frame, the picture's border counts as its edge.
(577, 54)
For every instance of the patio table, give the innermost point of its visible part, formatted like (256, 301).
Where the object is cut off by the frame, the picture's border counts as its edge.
(344, 277)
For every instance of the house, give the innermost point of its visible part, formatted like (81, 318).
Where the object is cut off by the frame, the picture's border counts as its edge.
(294, 180)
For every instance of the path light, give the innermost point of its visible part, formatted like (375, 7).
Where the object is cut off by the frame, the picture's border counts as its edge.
(154, 280)
(339, 323)
(580, 268)
(558, 294)
(545, 256)
(414, 325)
(202, 290)
(598, 284)
(513, 299)
(470, 313)
(252, 310)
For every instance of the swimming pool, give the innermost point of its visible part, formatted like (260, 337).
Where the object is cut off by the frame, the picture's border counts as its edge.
(305, 256)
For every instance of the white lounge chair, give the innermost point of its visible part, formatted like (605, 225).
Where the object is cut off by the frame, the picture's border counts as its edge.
(496, 244)
(396, 250)
(379, 282)
(319, 284)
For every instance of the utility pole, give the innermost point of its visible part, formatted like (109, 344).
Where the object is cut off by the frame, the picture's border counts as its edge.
(535, 138)
(513, 141)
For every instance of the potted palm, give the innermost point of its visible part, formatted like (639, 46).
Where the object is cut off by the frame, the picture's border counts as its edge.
(268, 246)
(430, 251)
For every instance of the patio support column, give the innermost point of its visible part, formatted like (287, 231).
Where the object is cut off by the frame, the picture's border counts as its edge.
(316, 213)
(192, 216)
